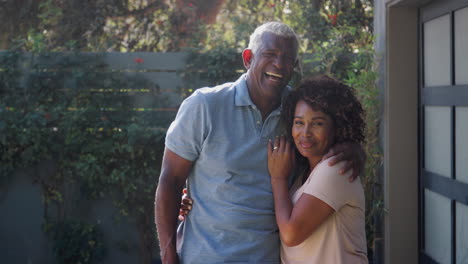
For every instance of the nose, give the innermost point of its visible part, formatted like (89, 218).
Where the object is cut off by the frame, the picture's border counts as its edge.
(307, 130)
(279, 62)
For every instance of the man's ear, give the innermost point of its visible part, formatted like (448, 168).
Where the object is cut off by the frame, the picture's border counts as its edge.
(247, 56)
(298, 67)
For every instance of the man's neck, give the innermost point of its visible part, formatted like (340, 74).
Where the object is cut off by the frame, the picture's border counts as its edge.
(264, 104)
(266, 107)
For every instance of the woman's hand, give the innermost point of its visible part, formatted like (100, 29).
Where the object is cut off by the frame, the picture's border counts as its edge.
(185, 205)
(280, 158)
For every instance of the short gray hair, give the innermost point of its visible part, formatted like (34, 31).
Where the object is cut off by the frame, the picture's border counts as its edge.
(277, 28)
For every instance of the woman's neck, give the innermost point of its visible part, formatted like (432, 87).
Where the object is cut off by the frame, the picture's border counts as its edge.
(313, 161)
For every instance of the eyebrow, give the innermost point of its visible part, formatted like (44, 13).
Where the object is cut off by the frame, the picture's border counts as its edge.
(318, 117)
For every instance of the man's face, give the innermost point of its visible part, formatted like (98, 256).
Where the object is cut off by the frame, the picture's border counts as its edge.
(271, 67)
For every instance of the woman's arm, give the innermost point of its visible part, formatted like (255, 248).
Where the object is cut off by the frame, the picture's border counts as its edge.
(297, 222)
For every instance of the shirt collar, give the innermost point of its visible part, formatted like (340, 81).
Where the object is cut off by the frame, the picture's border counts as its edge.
(242, 92)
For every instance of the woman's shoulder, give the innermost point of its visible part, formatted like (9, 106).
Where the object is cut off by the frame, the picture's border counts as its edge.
(323, 168)
(327, 180)
(325, 175)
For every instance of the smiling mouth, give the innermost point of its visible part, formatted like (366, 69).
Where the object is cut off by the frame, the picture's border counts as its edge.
(306, 145)
(274, 76)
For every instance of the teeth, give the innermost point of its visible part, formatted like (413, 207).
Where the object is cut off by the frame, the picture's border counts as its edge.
(274, 74)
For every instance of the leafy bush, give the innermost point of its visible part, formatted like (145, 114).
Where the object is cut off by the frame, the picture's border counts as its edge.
(76, 242)
(71, 109)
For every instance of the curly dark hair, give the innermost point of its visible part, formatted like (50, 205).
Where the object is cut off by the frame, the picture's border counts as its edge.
(333, 98)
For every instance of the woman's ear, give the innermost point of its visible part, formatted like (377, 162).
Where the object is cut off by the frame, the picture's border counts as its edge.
(247, 56)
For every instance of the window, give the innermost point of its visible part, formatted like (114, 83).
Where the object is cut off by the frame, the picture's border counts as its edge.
(444, 132)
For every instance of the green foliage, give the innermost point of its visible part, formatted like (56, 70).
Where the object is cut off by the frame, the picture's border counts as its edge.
(98, 126)
(363, 78)
(211, 68)
(76, 242)
(71, 109)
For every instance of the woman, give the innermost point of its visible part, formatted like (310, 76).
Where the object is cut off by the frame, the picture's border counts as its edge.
(321, 218)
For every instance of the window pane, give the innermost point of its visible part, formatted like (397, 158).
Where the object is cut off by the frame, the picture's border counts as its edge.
(437, 228)
(461, 137)
(461, 44)
(437, 140)
(462, 233)
(437, 51)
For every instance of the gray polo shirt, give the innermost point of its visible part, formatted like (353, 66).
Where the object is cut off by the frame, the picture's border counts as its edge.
(232, 219)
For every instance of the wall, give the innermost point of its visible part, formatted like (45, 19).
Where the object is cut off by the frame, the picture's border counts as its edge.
(397, 39)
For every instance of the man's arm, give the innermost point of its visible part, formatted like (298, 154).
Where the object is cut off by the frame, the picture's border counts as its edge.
(174, 173)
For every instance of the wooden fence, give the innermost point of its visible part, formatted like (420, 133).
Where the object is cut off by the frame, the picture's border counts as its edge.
(129, 80)
(45, 94)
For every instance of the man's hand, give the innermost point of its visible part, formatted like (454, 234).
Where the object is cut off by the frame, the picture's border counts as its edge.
(352, 153)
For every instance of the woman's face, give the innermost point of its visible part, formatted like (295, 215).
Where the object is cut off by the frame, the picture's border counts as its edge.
(313, 132)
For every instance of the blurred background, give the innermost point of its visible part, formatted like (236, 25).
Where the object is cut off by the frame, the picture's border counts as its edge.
(88, 89)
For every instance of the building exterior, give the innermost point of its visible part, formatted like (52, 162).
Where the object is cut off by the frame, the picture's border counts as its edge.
(423, 51)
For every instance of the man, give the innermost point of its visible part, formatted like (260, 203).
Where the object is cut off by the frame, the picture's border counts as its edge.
(218, 144)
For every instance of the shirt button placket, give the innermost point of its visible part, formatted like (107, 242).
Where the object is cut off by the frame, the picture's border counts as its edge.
(258, 116)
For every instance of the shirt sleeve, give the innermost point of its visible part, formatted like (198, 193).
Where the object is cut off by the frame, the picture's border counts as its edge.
(329, 186)
(187, 132)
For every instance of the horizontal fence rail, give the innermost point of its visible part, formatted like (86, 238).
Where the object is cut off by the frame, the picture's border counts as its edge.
(124, 87)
